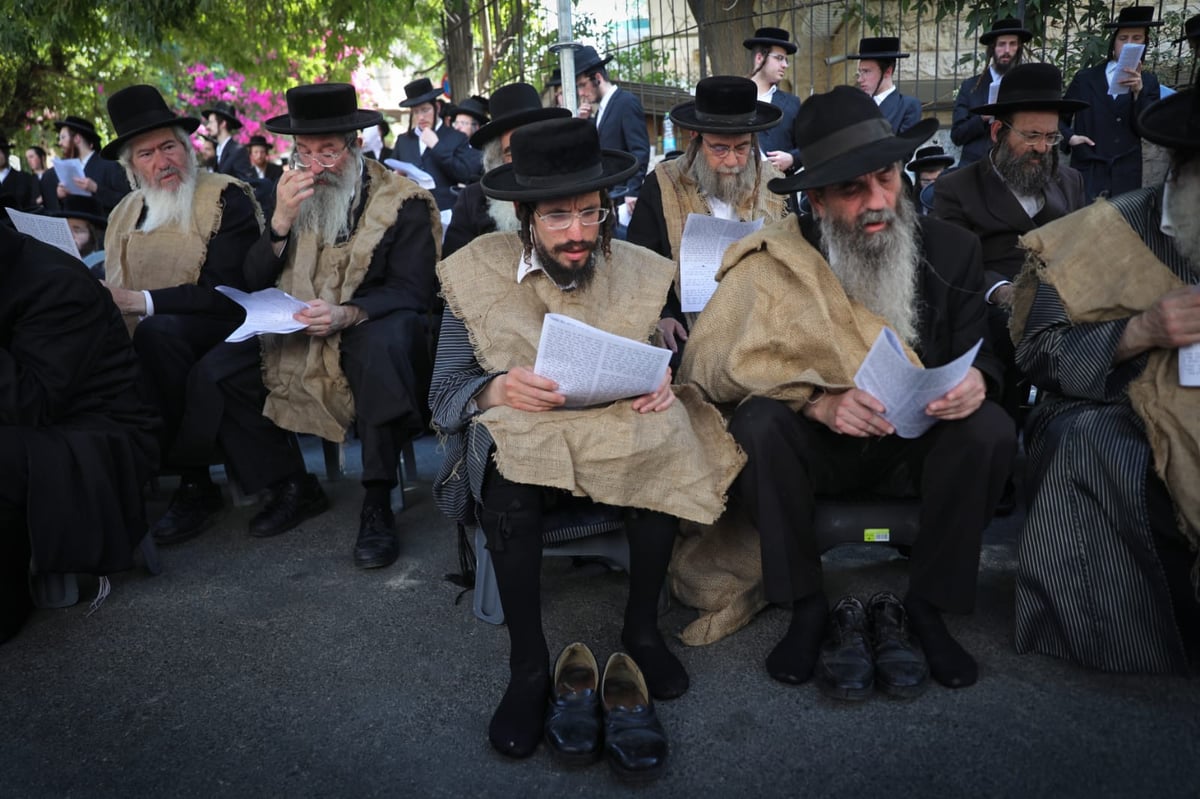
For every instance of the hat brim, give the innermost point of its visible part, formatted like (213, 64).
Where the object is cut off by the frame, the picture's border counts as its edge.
(501, 125)
(93, 218)
(501, 183)
(603, 62)
(876, 56)
(361, 118)
(1166, 122)
(859, 161)
(922, 164)
(788, 47)
(421, 99)
(234, 124)
(90, 135)
(991, 36)
(765, 116)
(1061, 106)
(454, 110)
(112, 150)
(1112, 26)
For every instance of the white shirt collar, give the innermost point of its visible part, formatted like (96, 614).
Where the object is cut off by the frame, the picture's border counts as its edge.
(879, 98)
(766, 96)
(83, 159)
(4, 173)
(527, 266)
(1165, 225)
(720, 209)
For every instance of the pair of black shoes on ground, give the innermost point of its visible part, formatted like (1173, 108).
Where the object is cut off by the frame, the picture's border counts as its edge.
(613, 716)
(196, 505)
(871, 646)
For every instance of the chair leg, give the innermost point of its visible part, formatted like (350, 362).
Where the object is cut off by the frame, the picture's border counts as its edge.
(149, 552)
(487, 592)
(409, 458)
(335, 459)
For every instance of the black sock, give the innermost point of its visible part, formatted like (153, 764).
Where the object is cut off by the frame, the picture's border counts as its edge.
(517, 723)
(651, 541)
(949, 663)
(378, 494)
(793, 658)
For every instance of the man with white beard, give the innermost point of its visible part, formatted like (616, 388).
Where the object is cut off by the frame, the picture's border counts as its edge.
(719, 175)
(358, 243)
(170, 243)
(474, 214)
(1103, 317)
(782, 338)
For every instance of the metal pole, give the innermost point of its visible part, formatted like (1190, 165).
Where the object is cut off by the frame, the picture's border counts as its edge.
(566, 56)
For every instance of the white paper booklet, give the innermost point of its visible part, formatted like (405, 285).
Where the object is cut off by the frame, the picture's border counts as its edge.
(267, 311)
(904, 389)
(1131, 56)
(1189, 366)
(67, 170)
(419, 176)
(705, 240)
(593, 367)
(46, 229)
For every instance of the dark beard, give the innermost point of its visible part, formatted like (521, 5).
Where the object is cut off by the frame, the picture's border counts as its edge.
(1027, 174)
(563, 277)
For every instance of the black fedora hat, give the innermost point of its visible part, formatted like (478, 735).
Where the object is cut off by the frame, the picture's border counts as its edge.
(84, 127)
(1191, 31)
(258, 140)
(875, 48)
(78, 206)
(587, 60)
(1008, 26)
(512, 106)
(726, 104)
(1134, 17)
(930, 157)
(1173, 122)
(322, 108)
(771, 37)
(555, 78)
(842, 134)
(419, 92)
(140, 109)
(557, 158)
(224, 109)
(1031, 87)
(474, 106)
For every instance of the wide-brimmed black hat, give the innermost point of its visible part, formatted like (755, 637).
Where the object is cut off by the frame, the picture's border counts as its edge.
(726, 104)
(474, 106)
(557, 158)
(1173, 122)
(1031, 87)
(771, 37)
(1134, 17)
(79, 206)
(84, 127)
(258, 141)
(555, 78)
(878, 48)
(225, 110)
(137, 110)
(1009, 26)
(587, 60)
(322, 108)
(928, 158)
(512, 106)
(842, 134)
(1191, 30)
(419, 92)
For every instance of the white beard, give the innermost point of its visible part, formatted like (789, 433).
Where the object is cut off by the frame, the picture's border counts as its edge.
(504, 214)
(170, 207)
(1182, 203)
(327, 212)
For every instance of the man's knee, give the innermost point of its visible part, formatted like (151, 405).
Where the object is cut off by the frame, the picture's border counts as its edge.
(989, 429)
(758, 422)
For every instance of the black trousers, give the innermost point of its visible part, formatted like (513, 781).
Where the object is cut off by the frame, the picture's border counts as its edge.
(1014, 382)
(15, 551)
(959, 467)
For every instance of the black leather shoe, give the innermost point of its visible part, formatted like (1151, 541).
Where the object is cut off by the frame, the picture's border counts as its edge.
(900, 666)
(845, 669)
(573, 724)
(377, 545)
(193, 509)
(634, 739)
(292, 501)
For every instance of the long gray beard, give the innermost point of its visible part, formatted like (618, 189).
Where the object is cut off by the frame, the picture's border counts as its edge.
(327, 212)
(171, 207)
(1182, 203)
(879, 270)
(493, 156)
(1027, 174)
(729, 188)
(504, 214)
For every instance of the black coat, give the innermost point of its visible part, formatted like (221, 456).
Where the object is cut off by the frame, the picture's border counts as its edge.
(20, 190)
(968, 130)
(49, 186)
(111, 183)
(69, 389)
(235, 160)
(448, 162)
(783, 136)
(1114, 165)
(977, 199)
(469, 220)
(900, 111)
(623, 127)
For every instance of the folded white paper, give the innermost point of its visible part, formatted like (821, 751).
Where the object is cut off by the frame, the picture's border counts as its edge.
(593, 367)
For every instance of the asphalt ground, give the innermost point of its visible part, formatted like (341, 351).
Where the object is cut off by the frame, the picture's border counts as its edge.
(274, 667)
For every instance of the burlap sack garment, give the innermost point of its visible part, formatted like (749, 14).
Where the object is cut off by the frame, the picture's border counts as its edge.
(1125, 281)
(681, 196)
(308, 391)
(781, 326)
(679, 461)
(165, 257)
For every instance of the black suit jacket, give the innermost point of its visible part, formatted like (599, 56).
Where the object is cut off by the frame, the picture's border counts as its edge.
(977, 199)
(448, 162)
(272, 171)
(623, 127)
(968, 130)
(49, 187)
(20, 190)
(235, 161)
(469, 220)
(111, 183)
(900, 111)
(783, 136)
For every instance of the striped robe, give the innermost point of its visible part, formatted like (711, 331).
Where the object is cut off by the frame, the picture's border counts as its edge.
(1090, 584)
